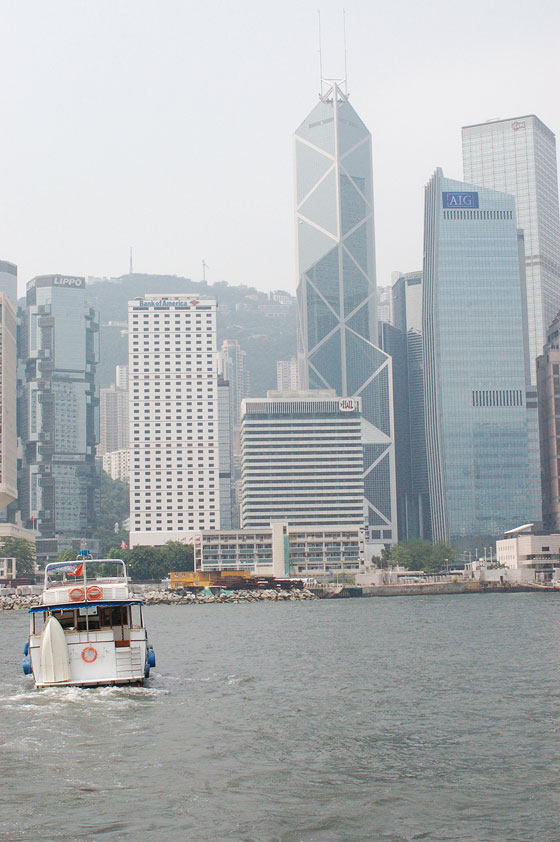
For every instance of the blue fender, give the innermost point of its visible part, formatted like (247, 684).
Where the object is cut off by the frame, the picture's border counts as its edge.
(26, 665)
(151, 658)
(26, 648)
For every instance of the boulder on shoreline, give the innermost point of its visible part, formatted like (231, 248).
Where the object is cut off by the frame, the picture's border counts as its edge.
(20, 602)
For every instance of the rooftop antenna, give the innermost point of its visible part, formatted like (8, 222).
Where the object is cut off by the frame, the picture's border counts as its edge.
(204, 268)
(130, 269)
(345, 51)
(320, 53)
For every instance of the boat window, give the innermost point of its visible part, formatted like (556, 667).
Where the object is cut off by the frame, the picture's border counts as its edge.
(67, 619)
(136, 617)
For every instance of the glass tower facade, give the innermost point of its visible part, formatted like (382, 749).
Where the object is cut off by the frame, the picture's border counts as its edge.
(336, 297)
(518, 156)
(59, 413)
(413, 501)
(481, 413)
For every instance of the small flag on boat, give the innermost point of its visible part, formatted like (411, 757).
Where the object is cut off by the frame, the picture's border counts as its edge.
(75, 571)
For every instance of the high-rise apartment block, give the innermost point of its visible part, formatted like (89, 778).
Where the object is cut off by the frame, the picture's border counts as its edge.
(336, 296)
(287, 375)
(173, 388)
(548, 389)
(302, 459)
(480, 409)
(116, 463)
(8, 386)
(518, 156)
(8, 281)
(121, 377)
(113, 418)
(59, 412)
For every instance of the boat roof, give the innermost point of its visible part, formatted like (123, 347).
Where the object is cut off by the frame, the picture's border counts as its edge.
(103, 604)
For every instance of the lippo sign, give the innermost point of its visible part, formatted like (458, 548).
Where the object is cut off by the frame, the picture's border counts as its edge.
(68, 281)
(64, 281)
(348, 405)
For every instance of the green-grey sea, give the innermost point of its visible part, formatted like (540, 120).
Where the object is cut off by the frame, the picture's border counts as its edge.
(433, 718)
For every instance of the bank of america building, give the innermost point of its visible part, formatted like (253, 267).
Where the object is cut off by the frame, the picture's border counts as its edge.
(481, 413)
(336, 297)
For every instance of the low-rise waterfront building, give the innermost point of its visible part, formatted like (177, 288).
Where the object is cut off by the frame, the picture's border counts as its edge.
(7, 568)
(523, 547)
(281, 550)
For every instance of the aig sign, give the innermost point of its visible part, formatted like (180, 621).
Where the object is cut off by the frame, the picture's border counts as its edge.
(348, 404)
(454, 201)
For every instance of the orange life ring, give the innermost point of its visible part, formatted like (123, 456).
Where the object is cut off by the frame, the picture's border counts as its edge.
(89, 654)
(77, 594)
(94, 592)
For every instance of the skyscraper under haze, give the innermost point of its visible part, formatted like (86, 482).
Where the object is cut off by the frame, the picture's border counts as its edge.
(518, 156)
(59, 413)
(480, 408)
(336, 297)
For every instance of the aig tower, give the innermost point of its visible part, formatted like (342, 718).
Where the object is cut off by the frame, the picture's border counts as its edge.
(481, 413)
(336, 297)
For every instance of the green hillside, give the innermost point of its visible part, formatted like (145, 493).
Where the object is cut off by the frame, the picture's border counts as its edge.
(267, 333)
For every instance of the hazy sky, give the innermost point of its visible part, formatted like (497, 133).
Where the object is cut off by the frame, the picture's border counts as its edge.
(167, 125)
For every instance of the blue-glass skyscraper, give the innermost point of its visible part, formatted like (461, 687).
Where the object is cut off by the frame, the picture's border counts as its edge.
(336, 298)
(480, 409)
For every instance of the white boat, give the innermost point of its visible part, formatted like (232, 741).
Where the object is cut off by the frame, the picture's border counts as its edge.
(88, 629)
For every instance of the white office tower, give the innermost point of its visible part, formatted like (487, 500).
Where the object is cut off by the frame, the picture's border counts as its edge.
(302, 459)
(173, 388)
(518, 156)
(8, 432)
(287, 375)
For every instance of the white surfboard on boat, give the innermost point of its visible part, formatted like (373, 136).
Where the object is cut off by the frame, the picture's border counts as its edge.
(55, 660)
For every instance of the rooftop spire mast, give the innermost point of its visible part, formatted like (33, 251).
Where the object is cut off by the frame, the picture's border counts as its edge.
(320, 53)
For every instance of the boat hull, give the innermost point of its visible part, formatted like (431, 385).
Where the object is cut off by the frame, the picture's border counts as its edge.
(94, 659)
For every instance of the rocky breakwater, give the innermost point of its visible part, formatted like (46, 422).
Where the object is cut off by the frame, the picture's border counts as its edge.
(161, 597)
(17, 602)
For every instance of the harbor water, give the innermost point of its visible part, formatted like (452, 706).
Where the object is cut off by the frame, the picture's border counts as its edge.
(433, 718)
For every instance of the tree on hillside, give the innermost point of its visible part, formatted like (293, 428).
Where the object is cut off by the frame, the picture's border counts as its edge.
(23, 551)
(114, 508)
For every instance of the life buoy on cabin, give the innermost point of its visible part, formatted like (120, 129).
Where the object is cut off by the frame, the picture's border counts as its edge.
(89, 654)
(77, 594)
(94, 592)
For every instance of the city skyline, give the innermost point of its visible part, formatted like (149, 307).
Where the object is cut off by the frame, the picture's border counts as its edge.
(123, 140)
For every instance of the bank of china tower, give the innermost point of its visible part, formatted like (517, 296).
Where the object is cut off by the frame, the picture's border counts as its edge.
(337, 324)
